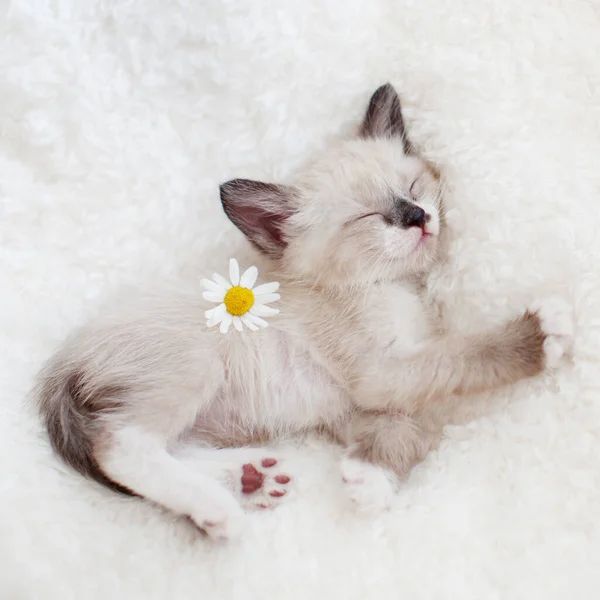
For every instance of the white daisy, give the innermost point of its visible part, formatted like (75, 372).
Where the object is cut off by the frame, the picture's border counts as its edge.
(239, 301)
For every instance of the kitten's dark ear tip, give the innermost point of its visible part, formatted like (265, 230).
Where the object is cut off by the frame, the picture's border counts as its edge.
(383, 118)
(228, 186)
(229, 191)
(386, 88)
(385, 93)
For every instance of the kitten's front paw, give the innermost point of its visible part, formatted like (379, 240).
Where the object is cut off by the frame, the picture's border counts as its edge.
(556, 318)
(368, 486)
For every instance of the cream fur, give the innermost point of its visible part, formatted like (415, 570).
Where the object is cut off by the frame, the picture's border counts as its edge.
(353, 248)
(118, 124)
(149, 370)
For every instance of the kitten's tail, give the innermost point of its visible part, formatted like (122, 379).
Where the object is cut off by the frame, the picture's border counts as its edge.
(71, 412)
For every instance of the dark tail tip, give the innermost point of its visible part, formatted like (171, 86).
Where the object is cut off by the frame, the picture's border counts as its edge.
(70, 419)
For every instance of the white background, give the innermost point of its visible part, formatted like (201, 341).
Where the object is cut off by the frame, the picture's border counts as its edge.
(118, 119)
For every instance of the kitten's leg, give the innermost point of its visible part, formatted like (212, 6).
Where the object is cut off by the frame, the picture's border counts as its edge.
(381, 449)
(255, 477)
(466, 365)
(140, 461)
(394, 441)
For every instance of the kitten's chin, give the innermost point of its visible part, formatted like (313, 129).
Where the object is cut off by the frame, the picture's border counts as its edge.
(422, 258)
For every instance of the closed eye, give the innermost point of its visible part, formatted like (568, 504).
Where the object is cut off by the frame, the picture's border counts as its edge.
(412, 190)
(386, 218)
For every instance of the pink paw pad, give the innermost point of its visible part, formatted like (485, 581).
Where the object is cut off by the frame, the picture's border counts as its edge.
(255, 479)
(252, 479)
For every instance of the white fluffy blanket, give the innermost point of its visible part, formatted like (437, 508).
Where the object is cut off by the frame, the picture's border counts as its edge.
(118, 118)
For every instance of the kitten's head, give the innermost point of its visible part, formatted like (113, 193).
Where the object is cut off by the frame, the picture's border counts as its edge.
(366, 210)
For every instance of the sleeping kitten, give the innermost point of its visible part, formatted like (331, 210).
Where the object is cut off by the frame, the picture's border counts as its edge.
(147, 400)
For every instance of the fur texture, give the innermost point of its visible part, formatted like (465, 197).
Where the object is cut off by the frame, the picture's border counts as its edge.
(119, 121)
(349, 241)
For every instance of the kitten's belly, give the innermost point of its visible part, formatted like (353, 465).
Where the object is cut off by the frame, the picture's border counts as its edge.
(295, 397)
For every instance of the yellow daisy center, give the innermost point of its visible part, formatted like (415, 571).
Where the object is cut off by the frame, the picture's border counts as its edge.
(238, 301)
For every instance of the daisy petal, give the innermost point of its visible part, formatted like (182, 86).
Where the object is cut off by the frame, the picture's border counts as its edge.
(216, 317)
(211, 286)
(213, 321)
(225, 323)
(217, 312)
(234, 272)
(266, 288)
(256, 320)
(266, 298)
(222, 281)
(264, 311)
(212, 297)
(248, 279)
(248, 323)
(237, 323)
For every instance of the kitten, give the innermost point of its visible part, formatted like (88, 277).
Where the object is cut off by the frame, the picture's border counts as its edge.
(148, 401)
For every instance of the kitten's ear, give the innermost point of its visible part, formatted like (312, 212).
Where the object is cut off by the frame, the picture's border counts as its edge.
(259, 210)
(383, 118)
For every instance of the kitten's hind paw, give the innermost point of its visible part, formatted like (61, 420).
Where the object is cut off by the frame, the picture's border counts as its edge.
(263, 483)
